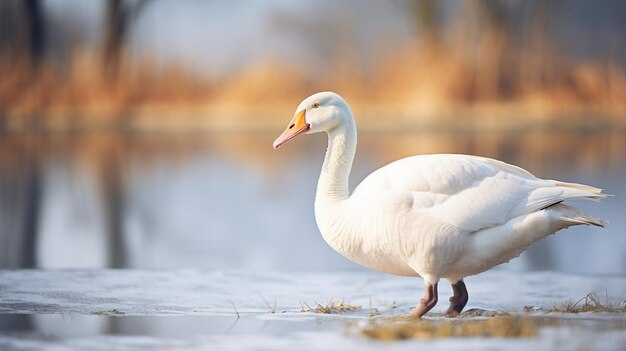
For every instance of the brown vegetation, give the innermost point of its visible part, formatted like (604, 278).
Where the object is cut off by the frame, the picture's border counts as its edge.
(425, 329)
(332, 307)
(415, 85)
(81, 89)
(589, 303)
(472, 323)
(490, 61)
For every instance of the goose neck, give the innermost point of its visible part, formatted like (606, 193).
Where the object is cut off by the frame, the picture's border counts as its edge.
(333, 183)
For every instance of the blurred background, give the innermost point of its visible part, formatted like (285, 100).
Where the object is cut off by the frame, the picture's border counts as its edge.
(137, 134)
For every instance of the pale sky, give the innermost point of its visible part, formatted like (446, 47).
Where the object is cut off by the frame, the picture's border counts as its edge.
(220, 36)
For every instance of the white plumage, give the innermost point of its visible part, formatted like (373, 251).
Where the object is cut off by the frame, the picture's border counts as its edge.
(434, 216)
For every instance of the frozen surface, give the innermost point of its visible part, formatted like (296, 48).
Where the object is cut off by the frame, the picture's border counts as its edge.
(192, 309)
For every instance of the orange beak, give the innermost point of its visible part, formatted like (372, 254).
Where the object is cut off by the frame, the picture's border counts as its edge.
(296, 127)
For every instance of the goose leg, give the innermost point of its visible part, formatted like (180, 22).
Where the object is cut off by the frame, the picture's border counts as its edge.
(459, 299)
(427, 302)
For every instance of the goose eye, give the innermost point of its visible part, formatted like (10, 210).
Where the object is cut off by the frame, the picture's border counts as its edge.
(316, 105)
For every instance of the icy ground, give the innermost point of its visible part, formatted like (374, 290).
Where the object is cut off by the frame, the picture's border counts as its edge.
(239, 310)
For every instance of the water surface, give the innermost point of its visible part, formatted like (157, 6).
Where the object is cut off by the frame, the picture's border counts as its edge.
(228, 200)
(243, 310)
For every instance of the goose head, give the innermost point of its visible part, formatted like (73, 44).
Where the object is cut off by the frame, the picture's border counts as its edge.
(321, 112)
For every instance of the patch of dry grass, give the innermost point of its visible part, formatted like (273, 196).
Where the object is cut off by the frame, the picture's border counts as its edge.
(501, 325)
(425, 329)
(113, 312)
(589, 303)
(331, 307)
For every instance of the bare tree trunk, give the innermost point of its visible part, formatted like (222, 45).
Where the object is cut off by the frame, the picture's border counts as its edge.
(117, 22)
(490, 69)
(32, 212)
(114, 36)
(540, 67)
(114, 207)
(427, 18)
(20, 204)
(33, 34)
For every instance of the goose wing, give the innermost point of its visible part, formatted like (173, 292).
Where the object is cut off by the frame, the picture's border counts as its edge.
(468, 192)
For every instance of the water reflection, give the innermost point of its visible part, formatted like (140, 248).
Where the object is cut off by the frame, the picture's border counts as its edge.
(55, 326)
(227, 200)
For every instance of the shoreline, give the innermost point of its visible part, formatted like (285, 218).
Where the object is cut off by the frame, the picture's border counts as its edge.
(269, 120)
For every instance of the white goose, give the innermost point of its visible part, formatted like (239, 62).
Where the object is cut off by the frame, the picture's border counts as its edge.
(432, 216)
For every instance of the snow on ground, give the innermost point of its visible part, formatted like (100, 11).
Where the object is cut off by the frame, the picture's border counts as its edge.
(195, 309)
